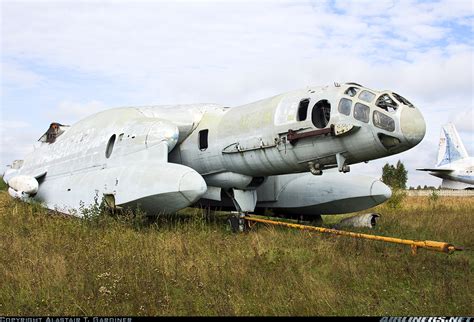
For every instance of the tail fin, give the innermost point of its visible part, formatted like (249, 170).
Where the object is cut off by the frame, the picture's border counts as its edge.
(450, 146)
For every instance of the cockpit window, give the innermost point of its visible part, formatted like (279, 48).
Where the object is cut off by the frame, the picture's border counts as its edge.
(345, 106)
(385, 102)
(351, 91)
(383, 121)
(367, 96)
(402, 100)
(361, 112)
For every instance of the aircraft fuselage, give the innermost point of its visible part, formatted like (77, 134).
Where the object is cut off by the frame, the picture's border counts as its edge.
(164, 158)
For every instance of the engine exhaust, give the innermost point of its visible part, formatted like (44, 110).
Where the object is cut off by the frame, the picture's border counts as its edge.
(364, 220)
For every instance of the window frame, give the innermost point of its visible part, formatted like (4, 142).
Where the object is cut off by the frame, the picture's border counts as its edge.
(355, 109)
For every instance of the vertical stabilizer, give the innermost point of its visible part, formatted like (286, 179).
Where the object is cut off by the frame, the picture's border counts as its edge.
(450, 146)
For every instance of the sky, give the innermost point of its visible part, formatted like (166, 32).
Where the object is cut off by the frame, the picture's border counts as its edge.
(64, 60)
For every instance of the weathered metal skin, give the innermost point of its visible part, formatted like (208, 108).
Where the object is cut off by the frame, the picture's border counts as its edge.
(164, 158)
(77, 169)
(248, 140)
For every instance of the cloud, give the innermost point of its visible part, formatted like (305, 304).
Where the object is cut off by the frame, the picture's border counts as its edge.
(464, 120)
(69, 112)
(16, 140)
(71, 59)
(17, 76)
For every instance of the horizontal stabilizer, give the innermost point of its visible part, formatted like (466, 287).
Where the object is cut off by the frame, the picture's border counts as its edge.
(436, 170)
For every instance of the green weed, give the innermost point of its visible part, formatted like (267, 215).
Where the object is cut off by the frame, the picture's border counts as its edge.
(189, 264)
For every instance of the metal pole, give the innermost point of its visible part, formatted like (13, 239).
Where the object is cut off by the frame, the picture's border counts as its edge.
(414, 244)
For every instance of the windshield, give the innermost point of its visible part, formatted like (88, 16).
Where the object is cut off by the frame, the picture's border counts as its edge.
(402, 100)
(385, 102)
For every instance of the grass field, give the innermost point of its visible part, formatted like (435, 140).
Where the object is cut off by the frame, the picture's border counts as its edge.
(192, 265)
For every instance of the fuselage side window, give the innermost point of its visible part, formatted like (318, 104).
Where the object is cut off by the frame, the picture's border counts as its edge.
(367, 96)
(203, 139)
(303, 109)
(110, 146)
(345, 106)
(383, 121)
(361, 112)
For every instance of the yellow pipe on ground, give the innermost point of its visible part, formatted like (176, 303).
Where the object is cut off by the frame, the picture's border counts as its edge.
(415, 244)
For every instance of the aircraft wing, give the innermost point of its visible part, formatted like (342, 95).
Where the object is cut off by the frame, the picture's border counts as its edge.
(436, 170)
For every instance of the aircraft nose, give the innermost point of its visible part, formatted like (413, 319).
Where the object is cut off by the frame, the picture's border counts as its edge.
(379, 191)
(412, 125)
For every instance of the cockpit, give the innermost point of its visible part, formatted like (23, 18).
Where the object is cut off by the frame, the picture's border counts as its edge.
(382, 109)
(53, 132)
(361, 98)
(390, 116)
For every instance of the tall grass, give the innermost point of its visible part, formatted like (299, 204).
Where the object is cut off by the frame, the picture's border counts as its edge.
(190, 264)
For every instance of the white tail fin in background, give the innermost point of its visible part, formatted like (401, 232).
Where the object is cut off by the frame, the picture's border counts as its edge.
(450, 146)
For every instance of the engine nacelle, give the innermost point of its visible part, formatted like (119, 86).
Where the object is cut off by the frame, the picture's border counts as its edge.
(364, 220)
(24, 184)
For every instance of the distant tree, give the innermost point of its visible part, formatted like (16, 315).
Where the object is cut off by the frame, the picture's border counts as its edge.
(401, 175)
(395, 176)
(388, 174)
(418, 187)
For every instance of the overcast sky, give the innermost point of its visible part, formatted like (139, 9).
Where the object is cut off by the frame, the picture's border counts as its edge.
(63, 60)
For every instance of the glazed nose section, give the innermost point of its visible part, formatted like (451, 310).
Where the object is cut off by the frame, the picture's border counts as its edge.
(412, 125)
(380, 192)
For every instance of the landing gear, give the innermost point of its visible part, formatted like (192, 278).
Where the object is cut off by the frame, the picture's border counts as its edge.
(244, 202)
(341, 163)
(237, 222)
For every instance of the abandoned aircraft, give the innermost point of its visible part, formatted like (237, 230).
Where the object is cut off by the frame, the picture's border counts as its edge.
(454, 165)
(267, 154)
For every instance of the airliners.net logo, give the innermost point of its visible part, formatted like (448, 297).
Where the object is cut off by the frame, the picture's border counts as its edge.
(426, 319)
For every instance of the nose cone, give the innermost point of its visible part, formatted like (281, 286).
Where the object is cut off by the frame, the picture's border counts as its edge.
(412, 125)
(192, 186)
(380, 192)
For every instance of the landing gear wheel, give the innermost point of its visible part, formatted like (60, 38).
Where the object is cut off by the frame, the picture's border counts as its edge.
(237, 222)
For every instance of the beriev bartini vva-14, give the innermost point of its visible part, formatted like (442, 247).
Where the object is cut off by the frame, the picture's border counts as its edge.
(271, 154)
